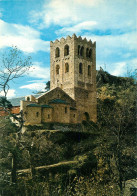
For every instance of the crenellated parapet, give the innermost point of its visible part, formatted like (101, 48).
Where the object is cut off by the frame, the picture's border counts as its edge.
(73, 38)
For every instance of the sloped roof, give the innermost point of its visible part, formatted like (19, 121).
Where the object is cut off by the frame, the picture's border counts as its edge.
(46, 106)
(57, 88)
(33, 105)
(37, 105)
(58, 101)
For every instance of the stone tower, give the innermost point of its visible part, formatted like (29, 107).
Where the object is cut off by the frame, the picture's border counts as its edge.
(73, 69)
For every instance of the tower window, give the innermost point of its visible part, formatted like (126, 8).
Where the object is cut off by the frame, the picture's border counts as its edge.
(89, 70)
(78, 49)
(65, 109)
(66, 50)
(57, 52)
(48, 116)
(87, 52)
(66, 67)
(80, 68)
(90, 53)
(37, 114)
(82, 51)
(57, 69)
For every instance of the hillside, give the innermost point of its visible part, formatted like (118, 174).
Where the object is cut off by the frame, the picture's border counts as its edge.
(86, 159)
(103, 78)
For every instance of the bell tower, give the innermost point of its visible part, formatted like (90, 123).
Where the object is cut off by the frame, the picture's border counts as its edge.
(73, 69)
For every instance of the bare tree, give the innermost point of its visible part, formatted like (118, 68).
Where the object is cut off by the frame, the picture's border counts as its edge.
(13, 65)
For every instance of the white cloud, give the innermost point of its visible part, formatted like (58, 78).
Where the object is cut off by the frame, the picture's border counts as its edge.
(122, 68)
(117, 45)
(24, 37)
(108, 14)
(88, 2)
(41, 73)
(34, 86)
(11, 93)
(119, 69)
(86, 25)
(61, 12)
(37, 71)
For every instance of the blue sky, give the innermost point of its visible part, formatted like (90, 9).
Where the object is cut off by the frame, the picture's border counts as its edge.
(32, 24)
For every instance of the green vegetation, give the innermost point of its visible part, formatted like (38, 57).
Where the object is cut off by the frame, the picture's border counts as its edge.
(75, 160)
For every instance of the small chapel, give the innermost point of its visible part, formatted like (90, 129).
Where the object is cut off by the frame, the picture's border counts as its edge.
(72, 95)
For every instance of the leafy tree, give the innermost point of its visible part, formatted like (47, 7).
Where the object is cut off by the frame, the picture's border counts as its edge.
(116, 144)
(47, 88)
(5, 103)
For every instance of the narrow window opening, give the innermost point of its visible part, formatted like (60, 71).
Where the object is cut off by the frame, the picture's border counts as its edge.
(90, 53)
(66, 50)
(57, 52)
(57, 69)
(80, 68)
(66, 67)
(78, 49)
(82, 51)
(74, 115)
(28, 98)
(87, 52)
(48, 116)
(65, 109)
(37, 114)
(89, 70)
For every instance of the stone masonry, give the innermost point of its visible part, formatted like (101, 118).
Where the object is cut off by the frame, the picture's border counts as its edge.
(72, 95)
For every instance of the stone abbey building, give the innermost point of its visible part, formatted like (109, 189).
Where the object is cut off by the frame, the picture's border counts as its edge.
(72, 95)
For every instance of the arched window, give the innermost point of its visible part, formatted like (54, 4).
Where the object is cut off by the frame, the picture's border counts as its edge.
(87, 52)
(57, 52)
(80, 68)
(89, 70)
(87, 117)
(66, 67)
(57, 69)
(90, 53)
(78, 49)
(66, 50)
(28, 98)
(82, 51)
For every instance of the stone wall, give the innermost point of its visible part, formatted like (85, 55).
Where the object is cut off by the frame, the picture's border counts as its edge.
(32, 115)
(47, 115)
(56, 93)
(72, 69)
(73, 116)
(80, 86)
(61, 113)
(64, 80)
